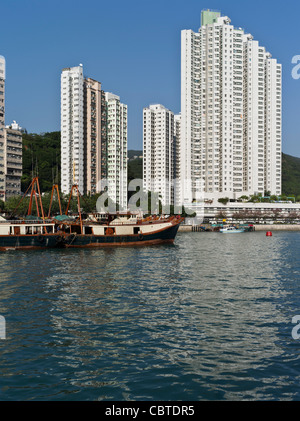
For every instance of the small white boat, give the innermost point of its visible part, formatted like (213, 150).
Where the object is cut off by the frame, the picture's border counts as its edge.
(231, 230)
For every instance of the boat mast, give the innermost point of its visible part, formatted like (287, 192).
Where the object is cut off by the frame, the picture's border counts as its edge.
(54, 187)
(75, 186)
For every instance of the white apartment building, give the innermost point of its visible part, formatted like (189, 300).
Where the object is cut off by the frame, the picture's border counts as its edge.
(159, 152)
(2, 127)
(230, 113)
(72, 127)
(10, 148)
(116, 149)
(95, 156)
(13, 154)
(93, 137)
(176, 160)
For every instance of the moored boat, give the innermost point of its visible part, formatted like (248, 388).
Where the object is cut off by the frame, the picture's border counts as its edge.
(22, 234)
(64, 232)
(123, 230)
(231, 230)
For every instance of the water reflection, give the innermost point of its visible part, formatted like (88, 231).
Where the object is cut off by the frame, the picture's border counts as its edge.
(206, 319)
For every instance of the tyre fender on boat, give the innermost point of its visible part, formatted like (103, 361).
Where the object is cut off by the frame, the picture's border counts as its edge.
(140, 237)
(59, 239)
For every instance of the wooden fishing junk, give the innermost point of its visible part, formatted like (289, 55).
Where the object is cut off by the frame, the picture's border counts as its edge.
(99, 230)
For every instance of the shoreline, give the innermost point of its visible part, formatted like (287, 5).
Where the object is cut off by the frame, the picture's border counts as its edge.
(258, 228)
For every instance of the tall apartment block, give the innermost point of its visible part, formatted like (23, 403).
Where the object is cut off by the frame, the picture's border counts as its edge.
(13, 160)
(72, 142)
(116, 149)
(10, 148)
(176, 159)
(230, 113)
(159, 150)
(2, 126)
(94, 137)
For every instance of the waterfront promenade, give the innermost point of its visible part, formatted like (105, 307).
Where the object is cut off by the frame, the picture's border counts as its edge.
(262, 227)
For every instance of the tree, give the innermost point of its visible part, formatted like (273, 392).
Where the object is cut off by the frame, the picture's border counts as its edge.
(255, 199)
(240, 216)
(292, 216)
(224, 201)
(221, 215)
(14, 206)
(41, 157)
(257, 215)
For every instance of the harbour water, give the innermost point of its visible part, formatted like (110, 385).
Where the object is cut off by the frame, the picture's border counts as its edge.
(209, 318)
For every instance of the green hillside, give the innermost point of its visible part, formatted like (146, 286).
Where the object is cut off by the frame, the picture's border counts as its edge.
(41, 157)
(290, 175)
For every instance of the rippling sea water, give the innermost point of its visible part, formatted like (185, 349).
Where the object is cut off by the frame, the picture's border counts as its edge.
(209, 318)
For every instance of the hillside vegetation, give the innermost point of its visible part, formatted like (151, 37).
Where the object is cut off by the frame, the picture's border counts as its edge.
(290, 175)
(41, 157)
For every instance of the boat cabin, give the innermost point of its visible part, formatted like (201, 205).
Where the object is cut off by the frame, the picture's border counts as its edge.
(23, 228)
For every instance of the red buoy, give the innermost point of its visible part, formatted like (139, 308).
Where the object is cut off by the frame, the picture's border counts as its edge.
(269, 234)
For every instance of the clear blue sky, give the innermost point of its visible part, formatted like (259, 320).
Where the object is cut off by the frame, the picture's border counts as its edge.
(133, 48)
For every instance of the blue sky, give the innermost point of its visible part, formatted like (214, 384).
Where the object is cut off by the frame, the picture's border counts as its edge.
(133, 48)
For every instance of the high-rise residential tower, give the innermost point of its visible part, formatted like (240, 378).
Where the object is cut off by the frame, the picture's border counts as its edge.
(13, 153)
(72, 128)
(95, 142)
(10, 148)
(94, 137)
(176, 159)
(116, 149)
(159, 152)
(230, 113)
(2, 126)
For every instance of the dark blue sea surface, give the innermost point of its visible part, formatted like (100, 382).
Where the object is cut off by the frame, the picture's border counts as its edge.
(209, 318)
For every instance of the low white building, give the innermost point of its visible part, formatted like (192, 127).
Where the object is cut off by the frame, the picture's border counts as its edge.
(213, 210)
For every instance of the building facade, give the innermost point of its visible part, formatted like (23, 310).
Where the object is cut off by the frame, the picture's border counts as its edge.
(230, 113)
(93, 137)
(116, 149)
(2, 127)
(10, 148)
(72, 128)
(159, 152)
(176, 159)
(13, 160)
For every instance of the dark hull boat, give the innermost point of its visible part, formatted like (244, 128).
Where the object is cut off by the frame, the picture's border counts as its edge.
(122, 234)
(18, 235)
(102, 230)
(21, 234)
